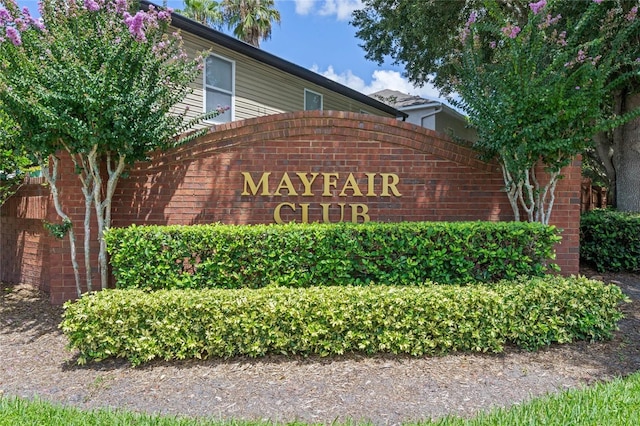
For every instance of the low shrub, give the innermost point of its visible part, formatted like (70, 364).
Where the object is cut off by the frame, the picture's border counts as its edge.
(610, 240)
(304, 255)
(434, 319)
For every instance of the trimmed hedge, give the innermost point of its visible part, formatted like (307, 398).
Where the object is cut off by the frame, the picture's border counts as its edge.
(303, 255)
(434, 319)
(610, 240)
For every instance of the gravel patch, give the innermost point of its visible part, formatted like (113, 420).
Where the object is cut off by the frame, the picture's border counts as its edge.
(382, 389)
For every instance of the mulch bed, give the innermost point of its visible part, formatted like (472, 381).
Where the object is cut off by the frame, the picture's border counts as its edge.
(383, 389)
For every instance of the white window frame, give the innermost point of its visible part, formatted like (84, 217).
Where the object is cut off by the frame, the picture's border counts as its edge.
(315, 93)
(232, 107)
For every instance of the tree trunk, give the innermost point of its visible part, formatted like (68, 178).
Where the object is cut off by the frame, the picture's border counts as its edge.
(52, 178)
(627, 160)
(604, 153)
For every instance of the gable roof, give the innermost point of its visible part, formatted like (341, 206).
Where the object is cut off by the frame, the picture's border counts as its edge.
(246, 49)
(405, 102)
(399, 99)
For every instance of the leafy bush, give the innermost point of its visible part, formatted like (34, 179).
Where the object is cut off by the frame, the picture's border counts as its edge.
(303, 255)
(610, 240)
(434, 319)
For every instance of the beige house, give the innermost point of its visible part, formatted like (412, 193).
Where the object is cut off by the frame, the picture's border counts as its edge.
(253, 83)
(428, 113)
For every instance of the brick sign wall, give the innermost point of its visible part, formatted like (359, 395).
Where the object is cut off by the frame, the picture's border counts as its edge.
(321, 167)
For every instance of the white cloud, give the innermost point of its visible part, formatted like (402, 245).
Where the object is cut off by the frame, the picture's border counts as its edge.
(380, 79)
(304, 7)
(341, 8)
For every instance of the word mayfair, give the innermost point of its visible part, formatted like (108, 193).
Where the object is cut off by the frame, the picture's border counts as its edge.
(324, 184)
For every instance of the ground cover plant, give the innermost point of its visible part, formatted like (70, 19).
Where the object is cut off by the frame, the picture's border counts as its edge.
(304, 255)
(615, 402)
(433, 319)
(610, 240)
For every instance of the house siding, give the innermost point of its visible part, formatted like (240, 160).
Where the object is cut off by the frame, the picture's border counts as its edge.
(454, 127)
(261, 89)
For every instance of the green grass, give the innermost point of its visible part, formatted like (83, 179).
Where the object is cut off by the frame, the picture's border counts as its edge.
(605, 404)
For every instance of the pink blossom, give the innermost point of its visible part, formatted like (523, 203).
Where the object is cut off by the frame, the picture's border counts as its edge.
(466, 30)
(632, 13)
(136, 25)
(537, 7)
(474, 16)
(5, 17)
(511, 31)
(14, 36)
(465, 33)
(492, 44)
(549, 20)
(38, 23)
(164, 15)
(91, 5)
(581, 56)
(21, 24)
(121, 6)
(30, 20)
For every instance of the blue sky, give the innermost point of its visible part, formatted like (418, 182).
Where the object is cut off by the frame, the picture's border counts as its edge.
(316, 34)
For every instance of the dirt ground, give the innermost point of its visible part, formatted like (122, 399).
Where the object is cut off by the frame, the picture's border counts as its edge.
(383, 389)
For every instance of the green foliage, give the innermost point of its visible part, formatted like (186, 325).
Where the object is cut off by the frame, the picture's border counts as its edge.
(101, 81)
(536, 94)
(14, 162)
(207, 12)
(610, 240)
(250, 19)
(86, 80)
(303, 255)
(434, 319)
(58, 230)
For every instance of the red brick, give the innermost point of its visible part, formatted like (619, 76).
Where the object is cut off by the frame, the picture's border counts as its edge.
(200, 182)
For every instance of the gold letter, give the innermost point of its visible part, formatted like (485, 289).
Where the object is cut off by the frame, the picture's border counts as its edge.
(371, 189)
(307, 183)
(352, 185)
(328, 183)
(305, 212)
(363, 214)
(325, 212)
(386, 185)
(276, 212)
(285, 183)
(264, 182)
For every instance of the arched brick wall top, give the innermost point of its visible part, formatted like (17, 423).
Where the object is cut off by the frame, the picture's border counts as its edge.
(314, 166)
(321, 126)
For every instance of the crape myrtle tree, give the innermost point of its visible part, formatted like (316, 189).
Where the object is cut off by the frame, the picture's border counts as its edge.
(537, 93)
(431, 46)
(99, 81)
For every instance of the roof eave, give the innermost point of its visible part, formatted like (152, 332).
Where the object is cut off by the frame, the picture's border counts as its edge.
(246, 49)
